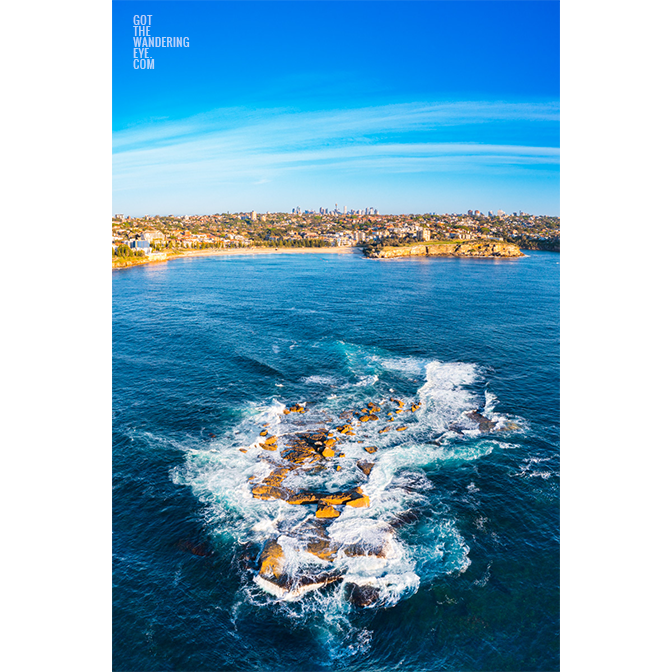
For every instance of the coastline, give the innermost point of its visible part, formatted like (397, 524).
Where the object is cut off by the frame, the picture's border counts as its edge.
(245, 251)
(387, 253)
(447, 248)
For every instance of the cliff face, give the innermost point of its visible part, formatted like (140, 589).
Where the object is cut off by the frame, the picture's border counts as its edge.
(466, 249)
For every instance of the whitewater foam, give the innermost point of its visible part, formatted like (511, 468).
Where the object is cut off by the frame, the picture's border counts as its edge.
(397, 487)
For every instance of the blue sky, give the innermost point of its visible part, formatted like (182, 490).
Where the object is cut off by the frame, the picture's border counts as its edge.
(402, 106)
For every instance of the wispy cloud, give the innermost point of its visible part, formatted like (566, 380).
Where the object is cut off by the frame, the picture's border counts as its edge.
(241, 146)
(275, 127)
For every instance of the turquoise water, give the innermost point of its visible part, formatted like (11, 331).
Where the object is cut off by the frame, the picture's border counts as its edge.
(207, 351)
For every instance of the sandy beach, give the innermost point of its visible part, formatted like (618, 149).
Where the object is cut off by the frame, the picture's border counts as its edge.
(274, 250)
(246, 251)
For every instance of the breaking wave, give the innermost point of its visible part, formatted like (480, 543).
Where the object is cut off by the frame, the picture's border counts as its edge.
(326, 497)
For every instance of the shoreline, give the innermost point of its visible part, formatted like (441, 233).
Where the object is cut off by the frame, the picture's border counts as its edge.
(247, 251)
(447, 248)
(244, 251)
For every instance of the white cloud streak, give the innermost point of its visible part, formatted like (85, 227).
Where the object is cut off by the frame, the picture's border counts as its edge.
(256, 146)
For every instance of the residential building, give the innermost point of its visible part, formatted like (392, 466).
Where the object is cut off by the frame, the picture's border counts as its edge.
(153, 235)
(141, 245)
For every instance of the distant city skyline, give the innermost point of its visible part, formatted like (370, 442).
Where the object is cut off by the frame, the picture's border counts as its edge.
(449, 105)
(364, 212)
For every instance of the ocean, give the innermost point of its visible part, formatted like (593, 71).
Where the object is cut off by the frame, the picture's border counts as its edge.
(454, 563)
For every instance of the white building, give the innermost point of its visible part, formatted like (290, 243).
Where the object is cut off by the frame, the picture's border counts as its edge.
(151, 236)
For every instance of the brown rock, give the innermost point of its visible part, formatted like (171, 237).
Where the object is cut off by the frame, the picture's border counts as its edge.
(200, 549)
(365, 466)
(337, 498)
(362, 501)
(270, 492)
(300, 498)
(272, 560)
(277, 476)
(404, 518)
(484, 425)
(322, 548)
(327, 512)
(362, 596)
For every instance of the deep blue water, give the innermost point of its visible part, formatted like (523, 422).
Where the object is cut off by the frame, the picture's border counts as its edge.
(206, 351)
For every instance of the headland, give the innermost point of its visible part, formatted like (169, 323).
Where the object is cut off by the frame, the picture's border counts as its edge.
(444, 248)
(160, 238)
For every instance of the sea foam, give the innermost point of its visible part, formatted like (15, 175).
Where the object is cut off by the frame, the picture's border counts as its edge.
(397, 486)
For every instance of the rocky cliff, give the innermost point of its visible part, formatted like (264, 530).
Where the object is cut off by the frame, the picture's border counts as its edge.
(457, 249)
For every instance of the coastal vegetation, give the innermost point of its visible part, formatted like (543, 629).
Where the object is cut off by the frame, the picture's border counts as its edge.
(172, 234)
(125, 252)
(444, 248)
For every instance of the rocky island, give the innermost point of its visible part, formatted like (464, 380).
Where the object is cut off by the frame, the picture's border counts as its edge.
(455, 248)
(296, 460)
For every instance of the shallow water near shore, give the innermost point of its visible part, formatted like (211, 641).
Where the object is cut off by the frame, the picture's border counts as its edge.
(207, 351)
